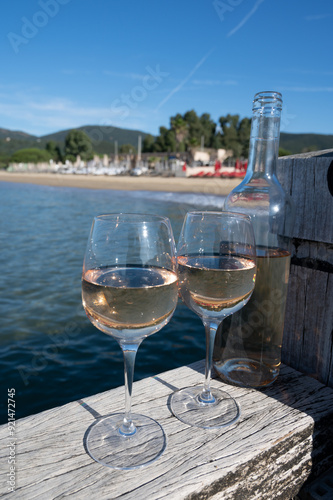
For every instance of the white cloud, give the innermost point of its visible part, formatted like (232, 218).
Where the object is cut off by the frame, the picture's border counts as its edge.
(54, 104)
(316, 17)
(131, 76)
(47, 114)
(206, 82)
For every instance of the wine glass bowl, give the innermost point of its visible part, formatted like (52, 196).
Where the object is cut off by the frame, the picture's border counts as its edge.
(129, 291)
(217, 270)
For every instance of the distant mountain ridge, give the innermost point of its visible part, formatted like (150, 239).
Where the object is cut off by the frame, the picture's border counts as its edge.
(103, 138)
(101, 135)
(16, 134)
(296, 143)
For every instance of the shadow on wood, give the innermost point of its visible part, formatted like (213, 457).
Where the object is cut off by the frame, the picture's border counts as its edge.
(308, 334)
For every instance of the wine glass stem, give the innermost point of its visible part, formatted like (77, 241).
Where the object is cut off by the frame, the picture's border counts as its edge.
(210, 329)
(129, 351)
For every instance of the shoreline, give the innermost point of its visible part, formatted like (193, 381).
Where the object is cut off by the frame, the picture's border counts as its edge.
(215, 186)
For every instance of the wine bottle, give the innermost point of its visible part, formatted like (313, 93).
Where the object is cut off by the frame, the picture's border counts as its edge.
(247, 350)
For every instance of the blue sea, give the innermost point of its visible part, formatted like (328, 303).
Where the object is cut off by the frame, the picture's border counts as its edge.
(50, 353)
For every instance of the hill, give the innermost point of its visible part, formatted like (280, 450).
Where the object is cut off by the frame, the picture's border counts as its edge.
(297, 143)
(13, 140)
(103, 138)
(16, 134)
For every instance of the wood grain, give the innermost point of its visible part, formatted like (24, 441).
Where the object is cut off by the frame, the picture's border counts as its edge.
(279, 441)
(305, 178)
(308, 333)
(307, 337)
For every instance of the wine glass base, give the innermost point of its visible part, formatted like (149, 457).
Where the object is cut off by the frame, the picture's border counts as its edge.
(187, 407)
(107, 446)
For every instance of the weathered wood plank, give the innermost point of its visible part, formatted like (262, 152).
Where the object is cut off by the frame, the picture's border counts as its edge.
(313, 254)
(308, 334)
(305, 178)
(280, 439)
(307, 338)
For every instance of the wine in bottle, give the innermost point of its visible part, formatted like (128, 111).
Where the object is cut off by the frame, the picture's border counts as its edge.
(247, 350)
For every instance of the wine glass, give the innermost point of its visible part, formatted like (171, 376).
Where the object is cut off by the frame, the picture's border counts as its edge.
(216, 257)
(129, 291)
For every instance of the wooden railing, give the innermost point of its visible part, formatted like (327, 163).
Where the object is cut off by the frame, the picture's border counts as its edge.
(284, 437)
(308, 334)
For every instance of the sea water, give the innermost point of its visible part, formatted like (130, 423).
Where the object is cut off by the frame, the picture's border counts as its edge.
(50, 353)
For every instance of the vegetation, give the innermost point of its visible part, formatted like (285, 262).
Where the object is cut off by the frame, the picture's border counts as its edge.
(301, 143)
(148, 143)
(184, 132)
(165, 142)
(102, 137)
(4, 160)
(235, 134)
(284, 152)
(77, 143)
(54, 151)
(190, 130)
(30, 155)
(127, 149)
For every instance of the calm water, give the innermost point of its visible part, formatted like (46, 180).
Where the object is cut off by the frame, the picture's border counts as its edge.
(50, 352)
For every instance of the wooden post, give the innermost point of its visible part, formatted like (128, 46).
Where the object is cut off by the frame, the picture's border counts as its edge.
(307, 342)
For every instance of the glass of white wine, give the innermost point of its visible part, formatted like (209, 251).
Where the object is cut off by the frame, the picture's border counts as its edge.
(216, 257)
(129, 291)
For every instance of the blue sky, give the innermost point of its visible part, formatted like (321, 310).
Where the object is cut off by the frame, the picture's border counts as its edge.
(135, 63)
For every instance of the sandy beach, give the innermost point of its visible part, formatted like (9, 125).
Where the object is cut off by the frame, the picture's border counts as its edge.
(214, 186)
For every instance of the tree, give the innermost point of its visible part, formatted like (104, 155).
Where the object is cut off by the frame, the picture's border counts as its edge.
(30, 155)
(180, 129)
(127, 149)
(199, 127)
(235, 134)
(217, 142)
(77, 143)
(148, 144)
(284, 152)
(187, 131)
(166, 141)
(244, 131)
(54, 150)
(193, 142)
(208, 127)
(195, 130)
(4, 160)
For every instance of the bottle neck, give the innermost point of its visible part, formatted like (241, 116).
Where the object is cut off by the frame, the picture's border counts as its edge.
(264, 142)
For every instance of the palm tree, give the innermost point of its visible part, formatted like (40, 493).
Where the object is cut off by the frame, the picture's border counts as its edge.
(180, 128)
